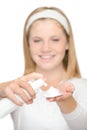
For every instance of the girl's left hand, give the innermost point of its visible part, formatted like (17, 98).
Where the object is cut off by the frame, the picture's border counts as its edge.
(66, 89)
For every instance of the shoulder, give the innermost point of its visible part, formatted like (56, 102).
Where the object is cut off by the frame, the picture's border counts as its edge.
(80, 87)
(79, 82)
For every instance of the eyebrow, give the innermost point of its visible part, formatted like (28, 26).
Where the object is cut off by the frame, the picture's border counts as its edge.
(41, 36)
(36, 37)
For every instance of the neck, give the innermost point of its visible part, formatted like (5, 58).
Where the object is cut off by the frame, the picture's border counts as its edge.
(53, 76)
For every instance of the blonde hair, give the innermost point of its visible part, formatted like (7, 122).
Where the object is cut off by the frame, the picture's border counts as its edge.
(70, 61)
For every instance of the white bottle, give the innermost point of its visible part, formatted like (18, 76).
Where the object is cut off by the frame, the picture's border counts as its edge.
(7, 106)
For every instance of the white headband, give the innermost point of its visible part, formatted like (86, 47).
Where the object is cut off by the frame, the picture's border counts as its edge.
(49, 14)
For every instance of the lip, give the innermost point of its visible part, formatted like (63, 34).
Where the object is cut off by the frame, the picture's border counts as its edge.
(46, 57)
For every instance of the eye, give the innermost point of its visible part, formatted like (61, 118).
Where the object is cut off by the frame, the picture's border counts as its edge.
(55, 39)
(37, 40)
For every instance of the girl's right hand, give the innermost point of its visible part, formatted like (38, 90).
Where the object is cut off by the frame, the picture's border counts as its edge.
(17, 86)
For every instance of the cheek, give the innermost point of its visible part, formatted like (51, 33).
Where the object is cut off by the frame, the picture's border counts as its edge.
(61, 52)
(32, 48)
(61, 48)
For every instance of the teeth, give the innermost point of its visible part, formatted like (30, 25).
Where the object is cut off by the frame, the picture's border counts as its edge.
(46, 57)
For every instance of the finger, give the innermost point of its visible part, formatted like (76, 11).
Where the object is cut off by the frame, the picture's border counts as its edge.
(26, 86)
(30, 101)
(58, 98)
(65, 96)
(70, 89)
(51, 99)
(24, 96)
(13, 98)
(31, 76)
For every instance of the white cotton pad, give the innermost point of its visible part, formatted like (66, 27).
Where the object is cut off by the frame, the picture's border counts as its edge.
(52, 92)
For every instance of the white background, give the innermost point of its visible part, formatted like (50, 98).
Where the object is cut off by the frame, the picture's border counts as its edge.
(12, 16)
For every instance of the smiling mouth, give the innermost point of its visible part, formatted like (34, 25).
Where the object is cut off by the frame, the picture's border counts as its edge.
(46, 57)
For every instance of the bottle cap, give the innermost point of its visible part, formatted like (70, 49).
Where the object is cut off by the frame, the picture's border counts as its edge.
(36, 84)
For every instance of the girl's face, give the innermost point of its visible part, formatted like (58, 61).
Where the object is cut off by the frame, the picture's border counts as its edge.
(48, 44)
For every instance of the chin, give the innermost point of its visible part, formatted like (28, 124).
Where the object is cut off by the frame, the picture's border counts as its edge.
(46, 68)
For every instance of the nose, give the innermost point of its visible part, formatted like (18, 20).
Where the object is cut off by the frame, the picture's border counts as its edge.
(46, 46)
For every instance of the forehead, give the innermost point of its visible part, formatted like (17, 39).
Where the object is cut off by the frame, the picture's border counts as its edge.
(46, 19)
(48, 22)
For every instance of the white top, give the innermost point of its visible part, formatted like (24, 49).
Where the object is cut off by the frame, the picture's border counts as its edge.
(45, 115)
